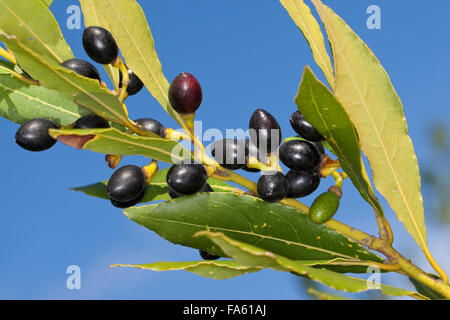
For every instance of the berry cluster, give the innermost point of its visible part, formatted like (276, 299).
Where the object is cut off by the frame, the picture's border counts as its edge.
(302, 155)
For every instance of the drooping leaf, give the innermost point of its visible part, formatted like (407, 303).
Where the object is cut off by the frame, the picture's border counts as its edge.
(33, 23)
(113, 141)
(321, 108)
(273, 227)
(130, 28)
(308, 25)
(94, 18)
(218, 270)
(321, 295)
(426, 291)
(251, 256)
(157, 190)
(20, 102)
(84, 91)
(365, 91)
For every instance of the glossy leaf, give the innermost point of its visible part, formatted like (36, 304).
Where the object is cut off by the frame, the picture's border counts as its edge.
(157, 190)
(113, 141)
(271, 226)
(33, 22)
(321, 295)
(426, 291)
(252, 256)
(321, 108)
(20, 102)
(84, 91)
(218, 269)
(130, 29)
(308, 25)
(365, 90)
(93, 18)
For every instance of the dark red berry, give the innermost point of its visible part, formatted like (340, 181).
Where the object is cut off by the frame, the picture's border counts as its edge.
(127, 185)
(273, 186)
(185, 93)
(91, 121)
(230, 153)
(151, 125)
(304, 128)
(208, 256)
(265, 131)
(134, 86)
(100, 45)
(33, 135)
(186, 178)
(302, 183)
(300, 155)
(83, 68)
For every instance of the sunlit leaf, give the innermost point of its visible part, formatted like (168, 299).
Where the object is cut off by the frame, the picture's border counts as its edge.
(365, 90)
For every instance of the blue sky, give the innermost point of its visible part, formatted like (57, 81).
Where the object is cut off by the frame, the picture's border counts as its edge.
(247, 54)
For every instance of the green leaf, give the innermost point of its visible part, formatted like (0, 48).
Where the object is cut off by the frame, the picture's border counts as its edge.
(48, 3)
(321, 295)
(218, 270)
(321, 108)
(251, 256)
(93, 18)
(84, 91)
(308, 25)
(33, 22)
(113, 141)
(6, 67)
(271, 226)
(20, 102)
(365, 90)
(130, 29)
(157, 190)
(426, 291)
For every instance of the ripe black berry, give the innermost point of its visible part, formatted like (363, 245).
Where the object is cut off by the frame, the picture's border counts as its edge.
(151, 125)
(33, 135)
(126, 186)
(174, 195)
(91, 121)
(83, 68)
(208, 256)
(265, 132)
(128, 204)
(304, 128)
(302, 183)
(100, 45)
(273, 186)
(300, 155)
(186, 178)
(230, 153)
(134, 86)
(185, 93)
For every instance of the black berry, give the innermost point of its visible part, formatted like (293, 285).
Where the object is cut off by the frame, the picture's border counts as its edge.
(265, 132)
(33, 135)
(128, 204)
(304, 128)
(126, 186)
(208, 256)
(185, 93)
(83, 68)
(135, 85)
(174, 195)
(273, 186)
(230, 153)
(186, 178)
(151, 125)
(300, 155)
(100, 45)
(302, 183)
(91, 121)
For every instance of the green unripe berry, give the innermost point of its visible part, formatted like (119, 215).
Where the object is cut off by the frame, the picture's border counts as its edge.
(324, 207)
